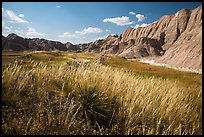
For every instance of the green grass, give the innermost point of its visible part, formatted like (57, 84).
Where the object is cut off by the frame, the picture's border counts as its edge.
(45, 93)
(51, 57)
(145, 70)
(81, 55)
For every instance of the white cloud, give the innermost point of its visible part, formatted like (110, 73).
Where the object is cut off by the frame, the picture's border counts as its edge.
(120, 21)
(132, 13)
(107, 30)
(10, 29)
(67, 35)
(6, 30)
(3, 23)
(78, 36)
(94, 39)
(140, 17)
(70, 37)
(154, 22)
(21, 15)
(89, 30)
(97, 38)
(19, 32)
(136, 26)
(142, 25)
(33, 33)
(58, 6)
(12, 17)
(110, 35)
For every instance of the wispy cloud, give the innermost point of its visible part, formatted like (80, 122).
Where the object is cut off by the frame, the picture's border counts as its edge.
(21, 15)
(78, 36)
(19, 32)
(10, 16)
(70, 37)
(58, 6)
(140, 17)
(67, 35)
(154, 22)
(89, 30)
(142, 25)
(107, 30)
(110, 35)
(6, 30)
(120, 21)
(132, 13)
(31, 32)
(3, 23)
(98, 38)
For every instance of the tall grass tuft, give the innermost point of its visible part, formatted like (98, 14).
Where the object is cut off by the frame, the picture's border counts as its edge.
(93, 99)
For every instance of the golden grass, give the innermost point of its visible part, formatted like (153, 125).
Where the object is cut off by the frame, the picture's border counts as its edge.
(185, 79)
(52, 57)
(95, 99)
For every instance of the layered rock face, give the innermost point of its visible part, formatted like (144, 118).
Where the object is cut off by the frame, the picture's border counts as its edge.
(172, 32)
(107, 45)
(186, 51)
(174, 39)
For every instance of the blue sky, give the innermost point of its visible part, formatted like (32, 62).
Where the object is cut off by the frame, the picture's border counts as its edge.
(80, 22)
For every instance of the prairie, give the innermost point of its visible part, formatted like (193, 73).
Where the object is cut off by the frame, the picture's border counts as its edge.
(51, 93)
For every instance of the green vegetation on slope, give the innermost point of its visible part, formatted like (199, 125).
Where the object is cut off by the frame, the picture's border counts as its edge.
(186, 79)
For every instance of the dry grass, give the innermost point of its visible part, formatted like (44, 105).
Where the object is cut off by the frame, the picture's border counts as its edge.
(94, 99)
(185, 79)
(50, 57)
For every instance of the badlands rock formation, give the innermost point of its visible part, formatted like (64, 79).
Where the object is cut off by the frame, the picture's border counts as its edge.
(173, 39)
(186, 51)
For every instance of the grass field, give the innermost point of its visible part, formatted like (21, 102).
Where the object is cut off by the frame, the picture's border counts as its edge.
(51, 93)
(187, 79)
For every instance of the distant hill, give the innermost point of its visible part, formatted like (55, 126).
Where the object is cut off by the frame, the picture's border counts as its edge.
(17, 43)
